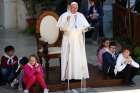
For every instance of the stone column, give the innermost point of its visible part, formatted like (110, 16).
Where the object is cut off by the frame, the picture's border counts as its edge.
(10, 14)
(1, 14)
(14, 15)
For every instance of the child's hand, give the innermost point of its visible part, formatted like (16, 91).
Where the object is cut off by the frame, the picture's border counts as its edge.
(37, 68)
(128, 60)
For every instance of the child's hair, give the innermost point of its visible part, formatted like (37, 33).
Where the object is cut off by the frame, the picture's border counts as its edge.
(102, 44)
(23, 61)
(36, 57)
(9, 48)
(112, 44)
(125, 48)
(95, 1)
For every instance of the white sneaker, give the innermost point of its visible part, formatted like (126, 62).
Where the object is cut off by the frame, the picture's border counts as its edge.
(26, 91)
(46, 91)
(14, 83)
(74, 91)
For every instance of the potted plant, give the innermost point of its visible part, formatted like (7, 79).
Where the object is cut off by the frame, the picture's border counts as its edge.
(31, 14)
(136, 54)
(30, 7)
(34, 7)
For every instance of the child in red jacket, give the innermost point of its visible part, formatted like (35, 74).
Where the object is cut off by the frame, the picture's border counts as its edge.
(33, 73)
(9, 64)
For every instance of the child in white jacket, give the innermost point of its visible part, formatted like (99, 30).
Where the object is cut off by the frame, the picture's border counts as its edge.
(126, 68)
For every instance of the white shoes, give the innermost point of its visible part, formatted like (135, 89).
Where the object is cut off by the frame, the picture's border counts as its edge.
(15, 81)
(46, 91)
(26, 91)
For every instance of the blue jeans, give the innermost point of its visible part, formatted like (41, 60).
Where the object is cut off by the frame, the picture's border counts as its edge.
(8, 73)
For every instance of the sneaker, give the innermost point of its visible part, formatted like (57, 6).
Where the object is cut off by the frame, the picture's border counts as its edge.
(14, 83)
(2, 83)
(26, 91)
(74, 91)
(46, 91)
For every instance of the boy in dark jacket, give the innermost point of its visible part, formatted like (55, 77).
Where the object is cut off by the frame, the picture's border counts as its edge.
(9, 63)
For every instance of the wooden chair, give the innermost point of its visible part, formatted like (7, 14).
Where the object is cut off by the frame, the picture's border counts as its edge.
(48, 38)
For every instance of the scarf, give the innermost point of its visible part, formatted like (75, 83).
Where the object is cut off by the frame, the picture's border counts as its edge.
(10, 59)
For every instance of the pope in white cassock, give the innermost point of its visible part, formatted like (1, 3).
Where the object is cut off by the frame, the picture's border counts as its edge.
(73, 56)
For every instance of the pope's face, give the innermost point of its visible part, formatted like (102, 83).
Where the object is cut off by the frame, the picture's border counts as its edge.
(73, 8)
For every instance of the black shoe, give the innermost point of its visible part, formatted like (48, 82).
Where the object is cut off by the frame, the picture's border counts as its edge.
(131, 83)
(2, 83)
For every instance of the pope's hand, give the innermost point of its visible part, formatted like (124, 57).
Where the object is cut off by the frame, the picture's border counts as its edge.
(64, 28)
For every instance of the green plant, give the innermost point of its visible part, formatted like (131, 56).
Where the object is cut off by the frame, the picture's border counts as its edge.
(136, 56)
(136, 53)
(30, 6)
(34, 6)
(30, 29)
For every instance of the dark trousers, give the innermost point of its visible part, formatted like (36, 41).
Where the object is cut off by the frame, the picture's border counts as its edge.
(128, 73)
(16, 75)
(0, 76)
(8, 73)
(109, 72)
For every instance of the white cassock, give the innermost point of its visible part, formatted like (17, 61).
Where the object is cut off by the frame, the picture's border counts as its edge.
(73, 56)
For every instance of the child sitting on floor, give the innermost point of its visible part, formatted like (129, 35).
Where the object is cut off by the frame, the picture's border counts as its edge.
(101, 50)
(33, 73)
(17, 80)
(126, 68)
(9, 64)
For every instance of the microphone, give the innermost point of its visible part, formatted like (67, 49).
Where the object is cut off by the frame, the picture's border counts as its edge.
(91, 28)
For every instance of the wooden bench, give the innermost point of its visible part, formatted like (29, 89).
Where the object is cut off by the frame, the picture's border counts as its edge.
(96, 80)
